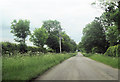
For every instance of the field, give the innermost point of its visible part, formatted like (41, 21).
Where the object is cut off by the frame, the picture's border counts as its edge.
(28, 67)
(111, 61)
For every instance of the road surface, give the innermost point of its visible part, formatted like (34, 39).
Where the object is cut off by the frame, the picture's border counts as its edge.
(80, 68)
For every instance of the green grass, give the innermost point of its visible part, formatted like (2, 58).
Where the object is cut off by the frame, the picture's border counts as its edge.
(28, 67)
(111, 61)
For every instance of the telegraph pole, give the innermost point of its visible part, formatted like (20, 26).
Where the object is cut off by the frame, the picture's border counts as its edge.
(60, 43)
(60, 39)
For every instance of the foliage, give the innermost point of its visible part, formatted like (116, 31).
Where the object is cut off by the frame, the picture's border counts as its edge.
(39, 37)
(22, 48)
(80, 47)
(12, 48)
(110, 20)
(112, 35)
(68, 44)
(113, 51)
(98, 35)
(95, 50)
(87, 54)
(21, 30)
(94, 36)
(54, 30)
(52, 26)
(53, 42)
(8, 48)
(28, 67)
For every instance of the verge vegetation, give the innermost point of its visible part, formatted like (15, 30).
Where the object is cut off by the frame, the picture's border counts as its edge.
(108, 60)
(26, 67)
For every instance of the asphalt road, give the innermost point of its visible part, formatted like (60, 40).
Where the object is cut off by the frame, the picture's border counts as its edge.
(80, 68)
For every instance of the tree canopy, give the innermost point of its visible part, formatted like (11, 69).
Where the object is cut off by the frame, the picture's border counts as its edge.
(20, 29)
(54, 30)
(39, 37)
(104, 31)
(94, 36)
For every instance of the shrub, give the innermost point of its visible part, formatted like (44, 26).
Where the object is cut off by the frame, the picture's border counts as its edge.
(95, 50)
(87, 54)
(22, 48)
(113, 51)
(8, 48)
(11, 48)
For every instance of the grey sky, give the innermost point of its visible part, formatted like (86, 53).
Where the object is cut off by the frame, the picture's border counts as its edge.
(73, 15)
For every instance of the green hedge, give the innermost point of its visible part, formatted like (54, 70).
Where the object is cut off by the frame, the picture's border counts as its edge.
(113, 51)
(8, 48)
(12, 48)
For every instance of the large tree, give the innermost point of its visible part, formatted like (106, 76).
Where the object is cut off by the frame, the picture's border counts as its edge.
(20, 29)
(53, 28)
(94, 36)
(112, 35)
(111, 19)
(68, 45)
(39, 37)
(53, 42)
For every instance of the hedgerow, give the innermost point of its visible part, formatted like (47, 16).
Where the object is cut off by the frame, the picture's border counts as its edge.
(12, 48)
(113, 51)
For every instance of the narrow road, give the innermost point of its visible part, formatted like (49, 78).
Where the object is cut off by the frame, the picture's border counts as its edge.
(80, 68)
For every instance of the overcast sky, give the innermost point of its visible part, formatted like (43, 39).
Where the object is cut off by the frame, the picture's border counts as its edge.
(73, 15)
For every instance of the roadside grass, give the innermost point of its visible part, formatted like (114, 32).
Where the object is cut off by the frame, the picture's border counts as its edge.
(111, 61)
(28, 67)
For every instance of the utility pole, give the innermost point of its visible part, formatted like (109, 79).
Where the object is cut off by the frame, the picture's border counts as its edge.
(60, 39)
(60, 43)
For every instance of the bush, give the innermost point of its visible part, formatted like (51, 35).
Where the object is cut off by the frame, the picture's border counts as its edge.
(50, 50)
(22, 48)
(113, 51)
(95, 50)
(8, 48)
(87, 54)
(11, 48)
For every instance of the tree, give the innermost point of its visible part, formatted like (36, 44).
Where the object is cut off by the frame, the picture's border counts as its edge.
(53, 28)
(21, 30)
(68, 44)
(111, 19)
(53, 42)
(39, 37)
(80, 47)
(74, 45)
(112, 35)
(94, 36)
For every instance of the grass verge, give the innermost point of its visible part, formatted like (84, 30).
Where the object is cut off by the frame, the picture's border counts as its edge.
(111, 61)
(28, 67)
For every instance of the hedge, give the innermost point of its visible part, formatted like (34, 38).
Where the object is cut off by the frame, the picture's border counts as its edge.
(113, 51)
(12, 48)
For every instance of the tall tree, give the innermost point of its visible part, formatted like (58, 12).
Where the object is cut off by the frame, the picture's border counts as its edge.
(111, 19)
(20, 29)
(94, 36)
(112, 35)
(68, 44)
(53, 42)
(39, 37)
(53, 28)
